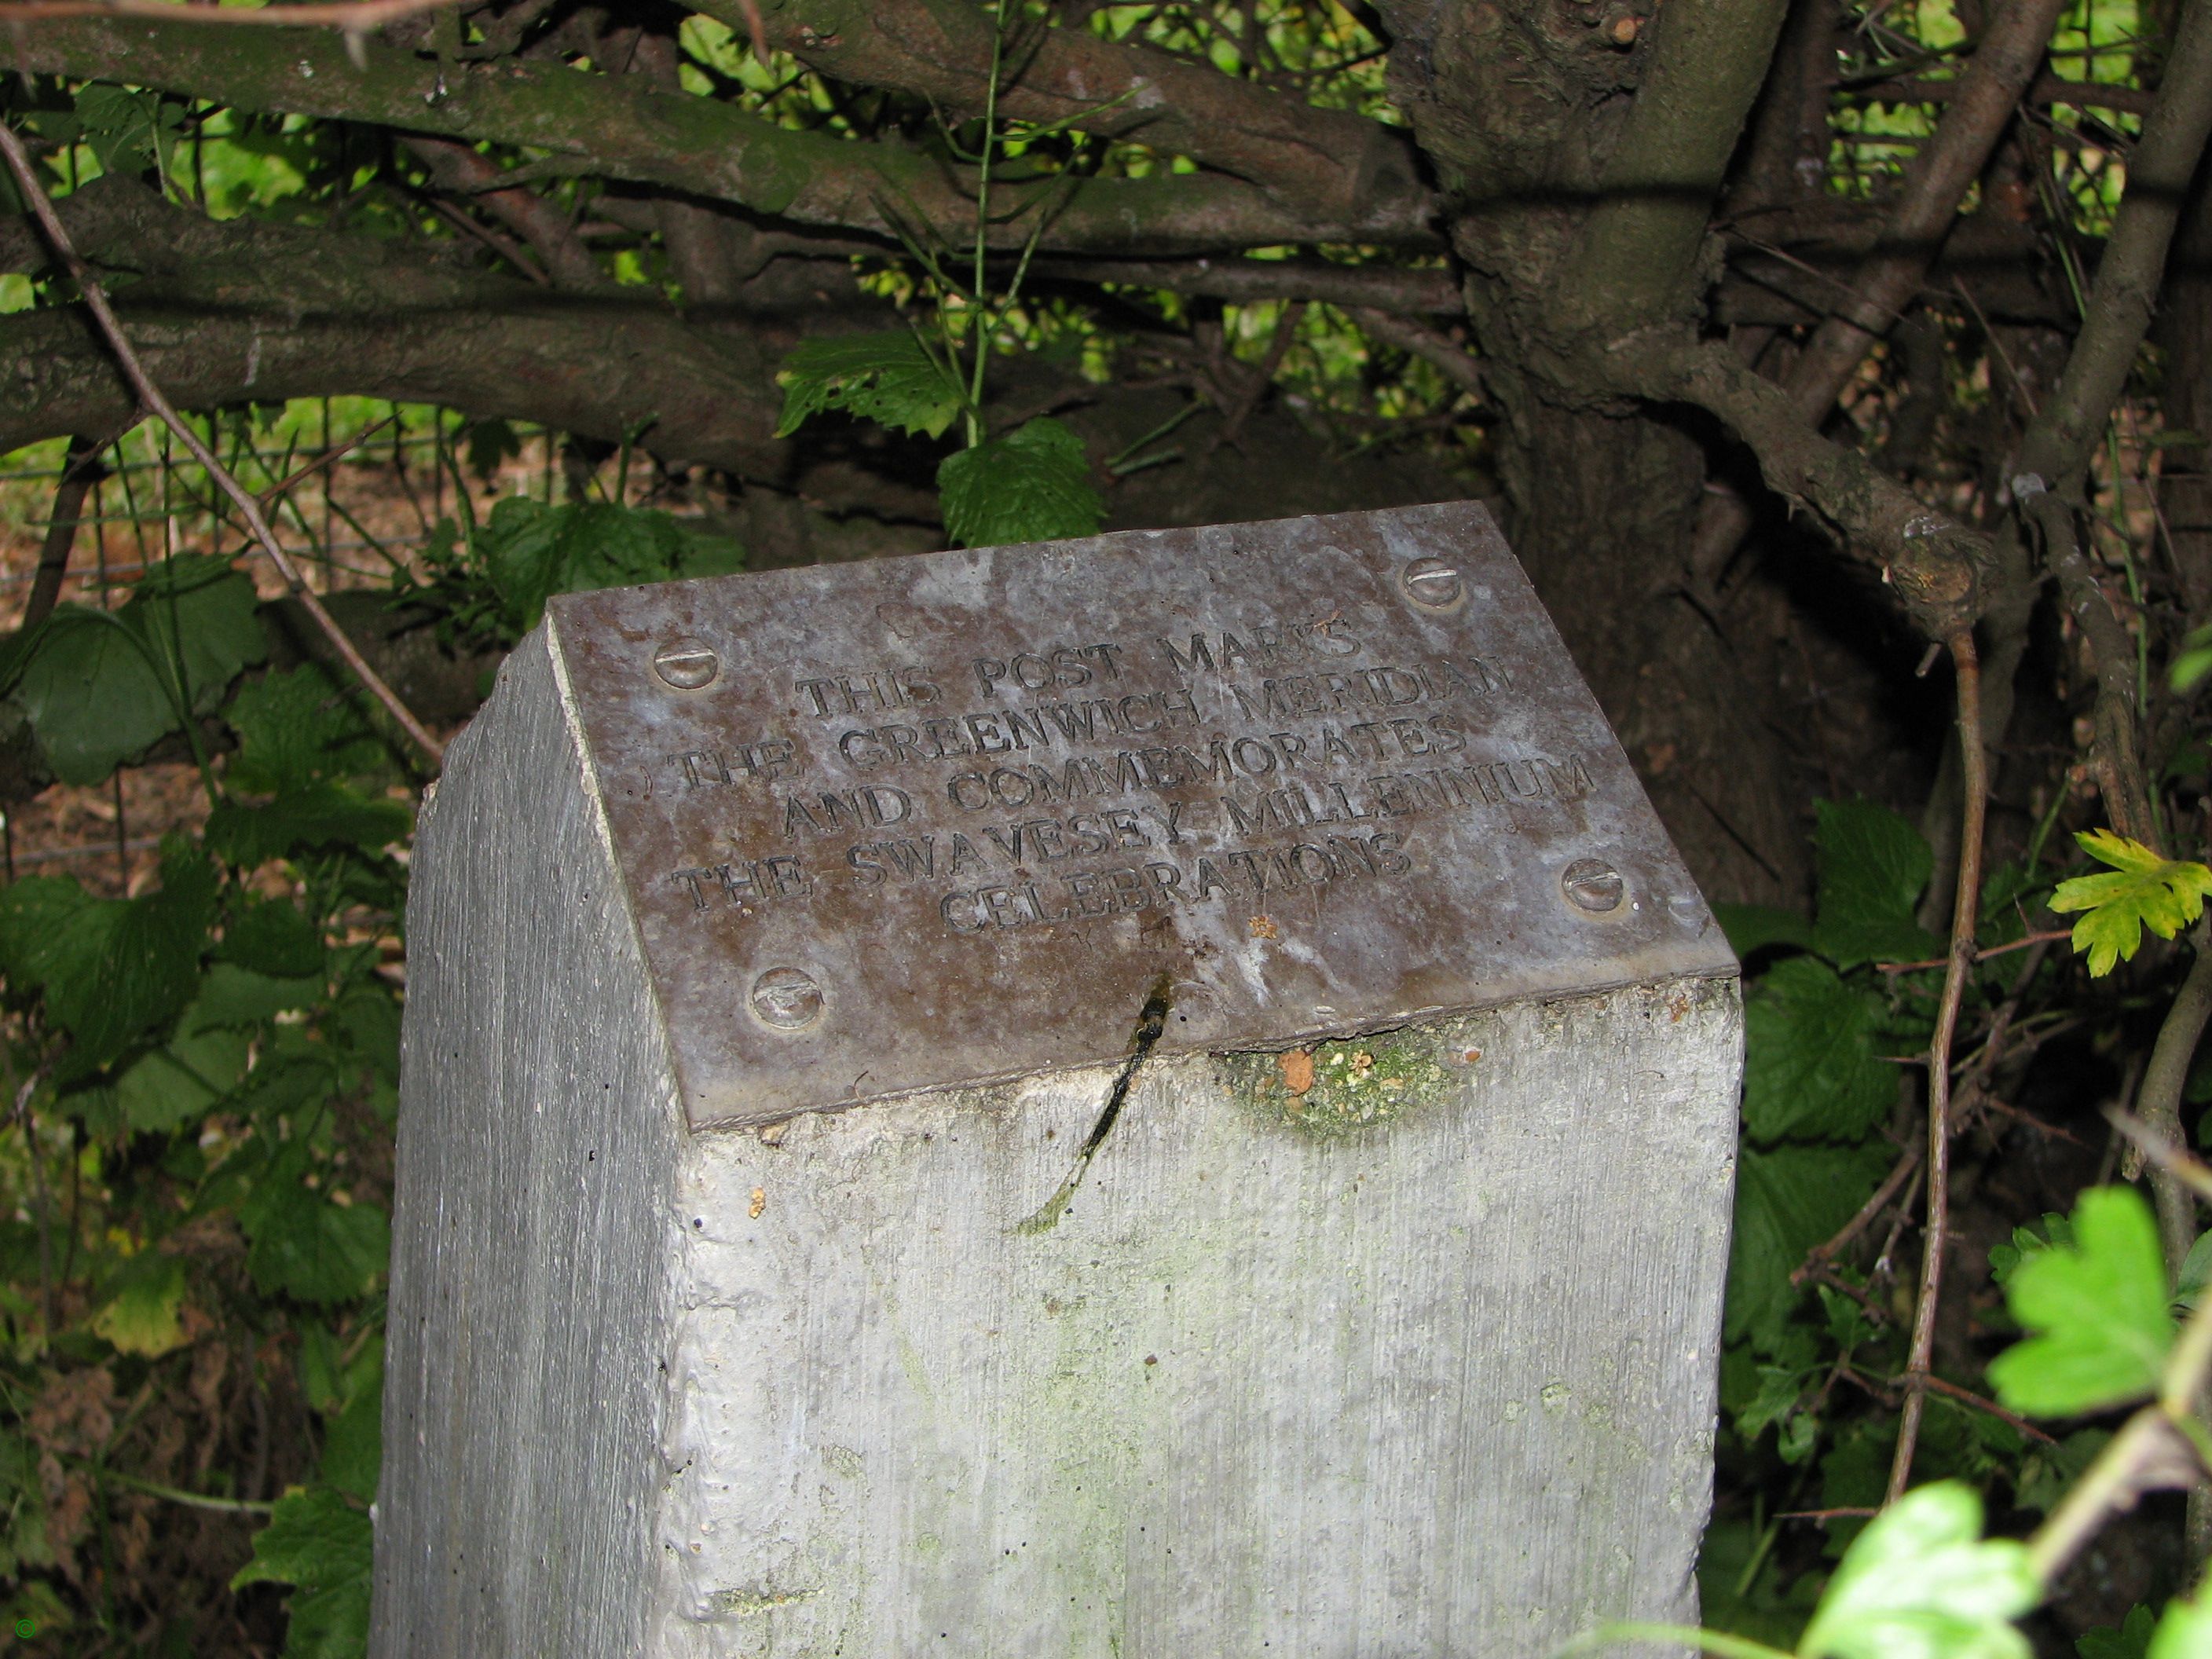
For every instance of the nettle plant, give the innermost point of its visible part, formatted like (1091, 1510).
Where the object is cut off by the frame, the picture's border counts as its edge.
(206, 1073)
(1815, 1342)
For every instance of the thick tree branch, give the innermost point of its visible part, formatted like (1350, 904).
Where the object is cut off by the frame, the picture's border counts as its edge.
(1931, 561)
(1331, 159)
(1638, 255)
(1404, 289)
(221, 311)
(1926, 209)
(550, 234)
(620, 127)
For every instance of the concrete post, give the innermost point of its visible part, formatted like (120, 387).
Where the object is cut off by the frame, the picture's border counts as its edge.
(1158, 1096)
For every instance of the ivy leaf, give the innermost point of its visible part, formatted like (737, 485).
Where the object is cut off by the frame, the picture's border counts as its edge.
(1810, 1064)
(889, 379)
(143, 1312)
(102, 687)
(304, 1245)
(111, 969)
(2142, 890)
(319, 1542)
(2097, 1310)
(1787, 1201)
(1032, 486)
(1873, 866)
(1921, 1582)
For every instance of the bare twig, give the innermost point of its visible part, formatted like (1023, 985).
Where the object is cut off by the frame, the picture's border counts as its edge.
(1820, 1255)
(335, 454)
(1458, 364)
(1979, 955)
(1965, 907)
(79, 470)
(45, 1199)
(151, 396)
(2158, 1130)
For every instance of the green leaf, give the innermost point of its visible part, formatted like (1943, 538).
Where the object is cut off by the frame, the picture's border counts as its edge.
(304, 1245)
(1752, 927)
(2131, 1641)
(100, 687)
(889, 379)
(1921, 1582)
(234, 999)
(1787, 1201)
(2185, 1632)
(1032, 486)
(2097, 1310)
(127, 130)
(143, 1312)
(321, 1543)
(111, 969)
(2142, 890)
(296, 727)
(1873, 866)
(273, 937)
(317, 815)
(353, 1445)
(184, 1078)
(2026, 1241)
(1811, 1066)
(2047, 1473)
(2196, 1269)
(527, 552)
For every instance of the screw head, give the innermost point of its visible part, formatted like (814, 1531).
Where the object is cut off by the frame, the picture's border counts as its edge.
(787, 998)
(1432, 582)
(1593, 886)
(686, 663)
(1689, 912)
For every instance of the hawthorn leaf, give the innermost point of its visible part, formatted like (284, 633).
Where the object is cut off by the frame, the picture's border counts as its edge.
(2184, 1631)
(528, 551)
(1032, 486)
(2140, 891)
(889, 379)
(2096, 1310)
(1921, 1582)
(271, 936)
(1811, 1066)
(2130, 1640)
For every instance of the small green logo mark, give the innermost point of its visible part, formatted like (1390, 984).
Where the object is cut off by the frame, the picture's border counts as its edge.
(26, 1628)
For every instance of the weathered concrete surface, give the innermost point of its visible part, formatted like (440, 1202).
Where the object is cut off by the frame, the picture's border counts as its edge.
(1441, 1386)
(1418, 1360)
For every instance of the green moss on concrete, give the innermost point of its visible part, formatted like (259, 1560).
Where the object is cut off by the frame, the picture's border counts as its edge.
(1356, 1085)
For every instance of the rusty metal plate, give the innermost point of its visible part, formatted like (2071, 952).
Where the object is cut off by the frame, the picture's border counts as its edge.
(948, 818)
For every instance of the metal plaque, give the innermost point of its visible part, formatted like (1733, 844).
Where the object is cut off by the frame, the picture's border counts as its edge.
(955, 817)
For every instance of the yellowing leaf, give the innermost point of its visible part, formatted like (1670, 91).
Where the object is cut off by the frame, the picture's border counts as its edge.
(2142, 890)
(146, 1315)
